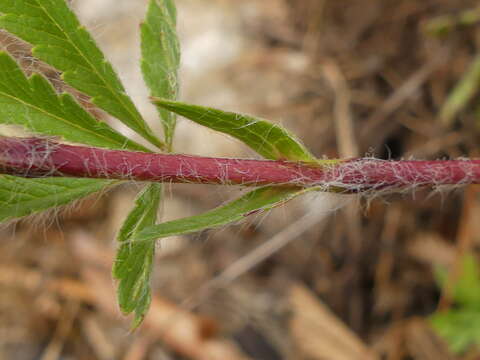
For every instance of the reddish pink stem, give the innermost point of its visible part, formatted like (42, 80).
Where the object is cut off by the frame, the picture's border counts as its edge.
(40, 157)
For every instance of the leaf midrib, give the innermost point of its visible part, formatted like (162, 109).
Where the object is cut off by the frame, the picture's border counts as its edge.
(252, 134)
(60, 194)
(88, 130)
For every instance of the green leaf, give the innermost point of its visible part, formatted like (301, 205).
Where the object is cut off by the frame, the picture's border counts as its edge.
(260, 199)
(463, 92)
(34, 104)
(442, 25)
(267, 139)
(161, 57)
(459, 327)
(60, 40)
(134, 262)
(160, 61)
(466, 290)
(21, 197)
(467, 287)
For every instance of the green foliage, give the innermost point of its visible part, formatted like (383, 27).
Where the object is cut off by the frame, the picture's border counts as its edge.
(22, 197)
(134, 263)
(268, 139)
(34, 104)
(161, 57)
(59, 40)
(467, 87)
(463, 92)
(460, 326)
(261, 199)
(442, 25)
(160, 61)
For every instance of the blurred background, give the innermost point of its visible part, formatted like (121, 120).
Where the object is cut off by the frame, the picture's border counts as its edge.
(324, 277)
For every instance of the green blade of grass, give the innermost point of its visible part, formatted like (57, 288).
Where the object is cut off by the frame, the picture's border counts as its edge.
(59, 40)
(161, 57)
(268, 139)
(442, 25)
(462, 93)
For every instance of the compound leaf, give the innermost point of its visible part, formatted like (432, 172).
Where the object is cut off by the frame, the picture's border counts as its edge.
(134, 263)
(268, 139)
(59, 40)
(161, 57)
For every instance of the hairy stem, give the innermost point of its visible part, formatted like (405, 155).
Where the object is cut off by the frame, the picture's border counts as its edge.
(40, 157)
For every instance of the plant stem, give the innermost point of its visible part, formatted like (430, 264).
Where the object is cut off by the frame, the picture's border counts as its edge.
(41, 157)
